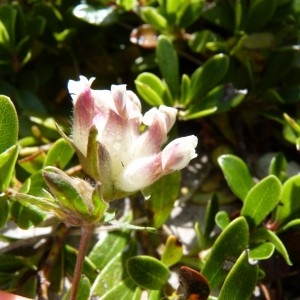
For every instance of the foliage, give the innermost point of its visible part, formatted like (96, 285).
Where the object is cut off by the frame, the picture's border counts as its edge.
(231, 68)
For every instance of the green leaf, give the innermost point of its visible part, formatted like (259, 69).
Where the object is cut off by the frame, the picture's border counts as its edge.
(278, 166)
(113, 271)
(259, 14)
(169, 10)
(151, 16)
(59, 155)
(222, 15)
(8, 124)
(8, 16)
(289, 207)
(8, 159)
(232, 241)
(147, 272)
(4, 210)
(33, 163)
(209, 220)
(27, 216)
(222, 219)
(262, 251)
(236, 174)
(11, 263)
(184, 89)
(263, 234)
(208, 76)
(168, 64)
(164, 192)
(219, 99)
(107, 248)
(261, 200)
(293, 223)
(152, 89)
(173, 251)
(122, 290)
(199, 39)
(241, 280)
(189, 12)
(83, 292)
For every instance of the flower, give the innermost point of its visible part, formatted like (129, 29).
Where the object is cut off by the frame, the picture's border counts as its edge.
(111, 146)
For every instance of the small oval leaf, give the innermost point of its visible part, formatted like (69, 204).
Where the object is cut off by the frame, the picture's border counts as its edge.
(147, 272)
(261, 200)
(237, 175)
(8, 123)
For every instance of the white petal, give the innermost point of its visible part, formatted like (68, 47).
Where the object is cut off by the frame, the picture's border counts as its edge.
(77, 87)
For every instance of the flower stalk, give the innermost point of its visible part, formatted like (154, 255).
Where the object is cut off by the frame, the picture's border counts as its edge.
(87, 231)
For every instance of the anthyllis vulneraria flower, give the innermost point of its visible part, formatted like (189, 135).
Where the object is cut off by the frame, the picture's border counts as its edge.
(120, 147)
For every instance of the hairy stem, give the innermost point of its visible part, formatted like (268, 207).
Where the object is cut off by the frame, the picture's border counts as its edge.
(86, 234)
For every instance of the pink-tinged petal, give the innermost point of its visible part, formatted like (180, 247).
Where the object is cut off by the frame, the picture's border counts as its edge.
(159, 121)
(177, 154)
(83, 111)
(127, 104)
(75, 88)
(140, 173)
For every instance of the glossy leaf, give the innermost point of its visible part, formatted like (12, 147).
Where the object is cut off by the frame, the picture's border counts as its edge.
(27, 216)
(289, 207)
(278, 166)
(151, 89)
(173, 251)
(237, 175)
(232, 241)
(114, 269)
(222, 219)
(259, 14)
(123, 290)
(147, 272)
(261, 200)
(241, 280)
(106, 249)
(164, 192)
(208, 76)
(8, 160)
(33, 163)
(199, 39)
(184, 89)
(60, 154)
(8, 124)
(4, 211)
(222, 15)
(168, 64)
(219, 99)
(188, 13)
(154, 18)
(263, 234)
(210, 214)
(262, 251)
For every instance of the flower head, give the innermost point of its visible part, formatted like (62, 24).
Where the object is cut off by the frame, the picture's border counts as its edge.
(112, 148)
